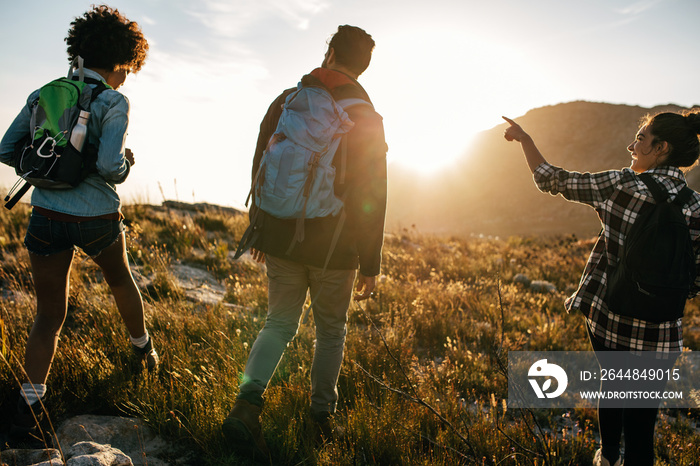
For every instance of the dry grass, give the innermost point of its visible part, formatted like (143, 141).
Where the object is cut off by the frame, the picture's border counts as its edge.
(421, 382)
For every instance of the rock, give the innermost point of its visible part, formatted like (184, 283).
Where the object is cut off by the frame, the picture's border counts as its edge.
(94, 454)
(199, 285)
(191, 277)
(131, 436)
(141, 280)
(247, 258)
(91, 440)
(537, 286)
(201, 207)
(541, 286)
(521, 279)
(46, 457)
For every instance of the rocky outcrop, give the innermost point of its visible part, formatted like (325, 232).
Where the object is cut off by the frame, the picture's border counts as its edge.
(95, 454)
(45, 457)
(131, 436)
(197, 284)
(90, 440)
(536, 286)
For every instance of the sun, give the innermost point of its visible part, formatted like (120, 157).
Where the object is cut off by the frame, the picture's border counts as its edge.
(429, 157)
(437, 89)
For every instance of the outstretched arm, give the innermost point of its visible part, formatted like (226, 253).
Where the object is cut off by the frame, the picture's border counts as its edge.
(532, 154)
(586, 188)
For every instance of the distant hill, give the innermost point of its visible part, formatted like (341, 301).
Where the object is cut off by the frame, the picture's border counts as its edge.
(490, 189)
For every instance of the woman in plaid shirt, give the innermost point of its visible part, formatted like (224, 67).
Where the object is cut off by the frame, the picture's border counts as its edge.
(666, 146)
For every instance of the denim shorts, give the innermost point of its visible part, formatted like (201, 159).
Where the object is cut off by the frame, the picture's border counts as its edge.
(46, 236)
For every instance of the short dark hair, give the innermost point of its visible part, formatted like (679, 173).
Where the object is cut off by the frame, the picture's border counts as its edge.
(105, 39)
(353, 48)
(680, 131)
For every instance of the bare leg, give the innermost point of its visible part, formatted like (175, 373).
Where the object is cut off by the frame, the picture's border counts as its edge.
(51, 283)
(115, 266)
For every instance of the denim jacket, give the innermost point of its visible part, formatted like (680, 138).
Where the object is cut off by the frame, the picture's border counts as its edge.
(107, 129)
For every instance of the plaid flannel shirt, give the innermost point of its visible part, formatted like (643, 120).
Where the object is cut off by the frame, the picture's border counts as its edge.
(618, 196)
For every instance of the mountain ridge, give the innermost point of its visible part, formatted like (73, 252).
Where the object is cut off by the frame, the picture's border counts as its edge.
(490, 191)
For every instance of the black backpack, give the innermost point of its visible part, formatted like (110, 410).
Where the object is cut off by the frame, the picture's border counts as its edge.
(657, 265)
(45, 157)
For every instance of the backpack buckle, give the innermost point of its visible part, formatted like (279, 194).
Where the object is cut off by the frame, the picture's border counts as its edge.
(53, 146)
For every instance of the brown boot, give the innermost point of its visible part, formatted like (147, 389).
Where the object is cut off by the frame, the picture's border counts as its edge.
(243, 427)
(326, 429)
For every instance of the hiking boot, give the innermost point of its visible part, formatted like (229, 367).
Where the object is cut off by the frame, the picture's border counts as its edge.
(26, 419)
(326, 429)
(243, 428)
(146, 355)
(600, 460)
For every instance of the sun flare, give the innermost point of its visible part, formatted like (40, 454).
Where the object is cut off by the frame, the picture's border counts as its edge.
(450, 93)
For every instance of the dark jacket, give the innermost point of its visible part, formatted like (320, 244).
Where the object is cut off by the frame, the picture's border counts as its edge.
(361, 239)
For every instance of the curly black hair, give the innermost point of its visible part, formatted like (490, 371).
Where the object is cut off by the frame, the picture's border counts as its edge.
(105, 39)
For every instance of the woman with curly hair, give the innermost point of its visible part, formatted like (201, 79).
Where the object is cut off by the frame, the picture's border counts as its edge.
(87, 216)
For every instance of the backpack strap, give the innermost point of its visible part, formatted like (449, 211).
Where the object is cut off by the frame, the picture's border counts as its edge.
(11, 200)
(345, 104)
(684, 196)
(659, 194)
(100, 87)
(76, 63)
(681, 199)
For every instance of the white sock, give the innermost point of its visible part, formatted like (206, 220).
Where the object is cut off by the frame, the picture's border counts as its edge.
(141, 341)
(33, 392)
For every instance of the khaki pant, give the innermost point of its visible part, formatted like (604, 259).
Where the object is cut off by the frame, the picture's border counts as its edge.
(331, 291)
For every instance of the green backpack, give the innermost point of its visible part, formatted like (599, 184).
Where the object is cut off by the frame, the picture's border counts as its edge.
(48, 157)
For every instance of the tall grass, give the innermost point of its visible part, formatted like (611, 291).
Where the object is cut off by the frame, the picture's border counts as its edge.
(422, 382)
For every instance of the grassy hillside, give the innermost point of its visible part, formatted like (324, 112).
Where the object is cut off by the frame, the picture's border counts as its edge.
(490, 190)
(422, 381)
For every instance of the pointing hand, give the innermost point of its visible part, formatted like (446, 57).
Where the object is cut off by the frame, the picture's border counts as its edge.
(514, 132)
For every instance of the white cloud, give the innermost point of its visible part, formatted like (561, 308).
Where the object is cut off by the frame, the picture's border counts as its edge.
(639, 7)
(147, 20)
(227, 19)
(232, 19)
(299, 12)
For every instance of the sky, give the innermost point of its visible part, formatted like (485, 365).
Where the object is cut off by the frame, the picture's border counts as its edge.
(442, 71)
